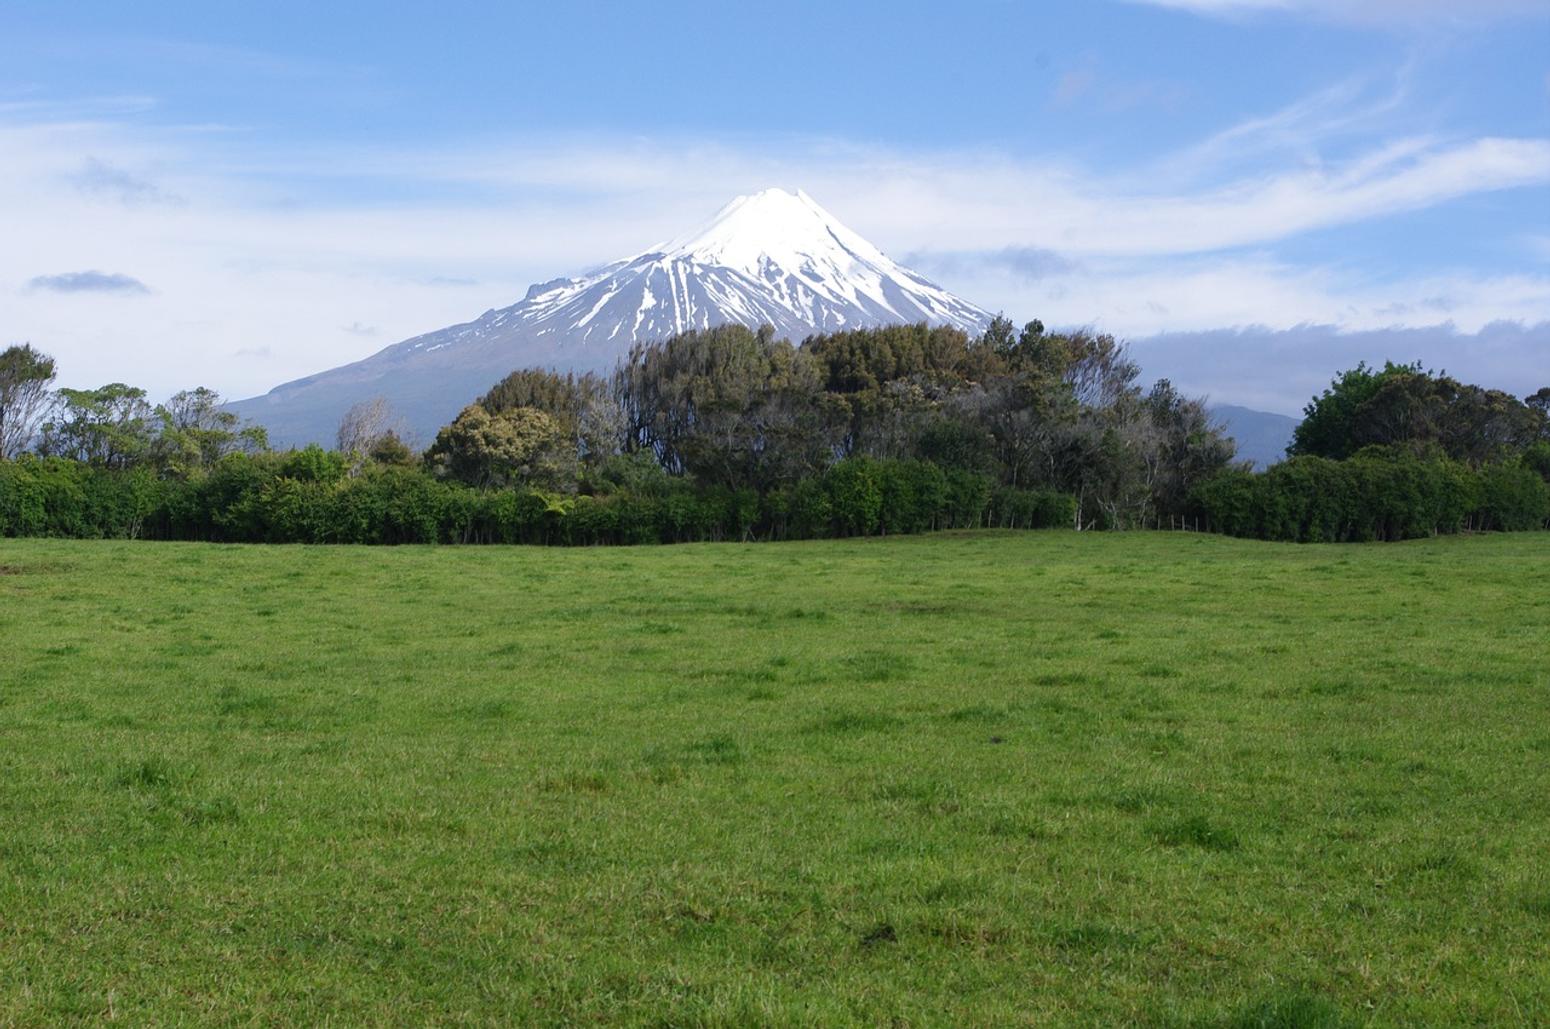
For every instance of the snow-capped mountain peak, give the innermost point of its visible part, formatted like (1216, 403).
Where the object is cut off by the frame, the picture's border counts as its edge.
(771, 257)
(774, 227)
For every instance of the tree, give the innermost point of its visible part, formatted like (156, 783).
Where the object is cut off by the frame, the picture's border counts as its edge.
(1192, 447)
(110, 426)
(372, 432)
(1097, 367)
(313, 464)
(1537, 458)
(25, 375)
(1000, 335)
(520, 445)
(1540, 402)
(1326, 429)
(390, 451)
(952, 442)
(1022, 416)
(196, 432)
(889, 381)
(362, 425)
(728, 406)
(584, 405)
(1403, 405)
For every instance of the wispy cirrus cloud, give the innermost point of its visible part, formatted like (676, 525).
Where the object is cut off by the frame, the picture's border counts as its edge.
(36, 108)
(1353, 114)
(986, 200)
(1380, 13)
(97, 177)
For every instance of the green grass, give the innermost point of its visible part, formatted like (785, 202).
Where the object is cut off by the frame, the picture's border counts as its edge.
(967, 779)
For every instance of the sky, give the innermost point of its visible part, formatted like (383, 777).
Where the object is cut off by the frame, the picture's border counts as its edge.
(1256, 193)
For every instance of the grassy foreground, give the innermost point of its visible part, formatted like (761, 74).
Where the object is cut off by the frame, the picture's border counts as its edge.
(1039, 778)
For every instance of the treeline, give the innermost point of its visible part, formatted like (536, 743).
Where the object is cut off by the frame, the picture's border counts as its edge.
(1022, 410)
(731, 434)
(721, 434)
(1391, 454)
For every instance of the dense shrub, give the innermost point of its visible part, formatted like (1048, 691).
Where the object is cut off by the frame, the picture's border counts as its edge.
(968, 497)
(307, 497)
(1537, 457)
(313, 464)
(58, 497)
(1380, 493)
(855, 491)
(1031, 509)
(1231, 503)
(1513, 498)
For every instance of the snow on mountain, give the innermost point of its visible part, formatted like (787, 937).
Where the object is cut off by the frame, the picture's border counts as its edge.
(773, 257)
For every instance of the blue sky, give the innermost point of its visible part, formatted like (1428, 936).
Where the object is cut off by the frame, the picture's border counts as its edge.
(262, 191)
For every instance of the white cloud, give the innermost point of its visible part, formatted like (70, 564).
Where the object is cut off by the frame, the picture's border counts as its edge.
(1142, 297)
(1280, 369)
(973, 200)
(249, 261)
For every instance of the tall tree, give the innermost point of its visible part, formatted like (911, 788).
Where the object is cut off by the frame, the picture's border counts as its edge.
(111, 426)
(361, 425)
(1540, 402)
(1405, 406)
(584, 406)
(196, 431)
(1328, 425)
(25, 376)
(1192, 447)
(1000, 336)
(368, 428)
(520, 445)
(728, 406)
(890, 380)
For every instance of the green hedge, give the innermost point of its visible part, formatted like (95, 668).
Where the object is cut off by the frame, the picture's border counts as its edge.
(56, 497)
(307, 497)
(1378, 494)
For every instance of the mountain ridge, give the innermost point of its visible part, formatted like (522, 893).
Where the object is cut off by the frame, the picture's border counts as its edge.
(1262, 437)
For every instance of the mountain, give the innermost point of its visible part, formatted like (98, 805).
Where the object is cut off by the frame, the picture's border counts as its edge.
(1262, 437)
(773, 257)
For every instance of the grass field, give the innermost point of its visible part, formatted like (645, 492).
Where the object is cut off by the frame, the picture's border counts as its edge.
(1042, 778)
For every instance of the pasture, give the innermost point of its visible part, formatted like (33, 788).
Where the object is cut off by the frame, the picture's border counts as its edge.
(981, 778)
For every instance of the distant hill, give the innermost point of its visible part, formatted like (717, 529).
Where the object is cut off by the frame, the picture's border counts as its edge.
(1262, 437)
